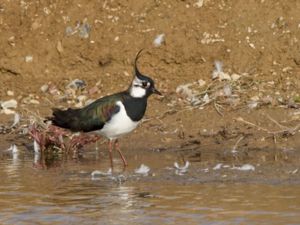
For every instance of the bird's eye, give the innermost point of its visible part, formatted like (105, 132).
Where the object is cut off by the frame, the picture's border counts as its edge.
(145, 84)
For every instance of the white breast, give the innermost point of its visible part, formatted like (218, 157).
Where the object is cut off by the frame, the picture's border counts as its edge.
(119, 124)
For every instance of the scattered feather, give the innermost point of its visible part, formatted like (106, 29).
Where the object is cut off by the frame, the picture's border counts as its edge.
(199, 3)
(218, 69)
(245, 167)
(227, 90)
(185, 167)
(252, 104)
(218, 72)
(206, 98)
(218, 166)
(143, 170)
(181, 170)
(187, 92)
(294, 171)
(97, 174)
(159, 40)
(7, 106)
(16, 120)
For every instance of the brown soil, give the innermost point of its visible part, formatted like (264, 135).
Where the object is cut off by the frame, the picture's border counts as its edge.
(258, 39)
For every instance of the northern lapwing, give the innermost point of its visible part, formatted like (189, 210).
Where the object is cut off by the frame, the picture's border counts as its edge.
(111, 116)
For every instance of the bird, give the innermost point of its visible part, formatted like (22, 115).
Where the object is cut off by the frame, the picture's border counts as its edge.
(111, 116)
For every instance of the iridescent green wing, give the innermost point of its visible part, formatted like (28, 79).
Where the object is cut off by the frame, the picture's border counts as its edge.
(94, 116)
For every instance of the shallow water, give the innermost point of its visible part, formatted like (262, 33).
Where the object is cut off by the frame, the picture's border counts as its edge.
(66, 194)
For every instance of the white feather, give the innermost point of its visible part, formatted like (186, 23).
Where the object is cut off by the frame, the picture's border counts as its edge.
(136, 90)
(159, 39)
(120, 124)
(16, 120)
(143, 170)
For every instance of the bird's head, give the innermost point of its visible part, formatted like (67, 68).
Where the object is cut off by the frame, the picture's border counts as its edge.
(141, 86)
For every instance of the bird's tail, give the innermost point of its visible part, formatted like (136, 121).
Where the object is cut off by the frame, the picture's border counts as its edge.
(65, 118)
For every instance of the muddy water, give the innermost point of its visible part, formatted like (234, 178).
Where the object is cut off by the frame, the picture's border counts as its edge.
(66, 193)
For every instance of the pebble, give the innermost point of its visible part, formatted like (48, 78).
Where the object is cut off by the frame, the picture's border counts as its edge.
(44, 88)
(93, 90)
(76, 84)
(10, 93)
(9, 104)
(28, 58)
(34, 101)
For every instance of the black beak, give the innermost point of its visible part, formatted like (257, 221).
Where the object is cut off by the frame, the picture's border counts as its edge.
(155, 91)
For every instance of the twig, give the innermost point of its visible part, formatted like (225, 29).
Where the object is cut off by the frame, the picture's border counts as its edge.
(277, 123)
(240, 119)
(216, 105)
(290, 131)
(236, 144)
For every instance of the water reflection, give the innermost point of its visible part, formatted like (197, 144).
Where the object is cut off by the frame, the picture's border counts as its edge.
(63, 192)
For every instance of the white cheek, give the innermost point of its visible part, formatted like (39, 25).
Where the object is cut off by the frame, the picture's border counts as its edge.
(137, 92)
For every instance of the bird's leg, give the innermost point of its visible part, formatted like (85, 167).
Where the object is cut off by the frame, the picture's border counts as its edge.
(117, 146)
(110, 148)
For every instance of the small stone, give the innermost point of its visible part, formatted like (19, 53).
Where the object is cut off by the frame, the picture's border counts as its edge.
(76, 84)
(235, 77)
(35, 25)
(81, 98)
(9, 104)
(93, 90)
(59, 47)
(34, 101)
(201, 82)
(53, 90)
(78, 105)
(11, 41)
(206, 98)
(10, 93)
(28, 58)
(44, 88)
(253, 104)
(224, 76)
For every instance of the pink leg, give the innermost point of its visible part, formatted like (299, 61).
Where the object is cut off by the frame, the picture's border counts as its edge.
(110, 148)
(120, 153)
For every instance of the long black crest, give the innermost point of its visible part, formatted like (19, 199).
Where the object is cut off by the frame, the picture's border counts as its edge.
(136, 70)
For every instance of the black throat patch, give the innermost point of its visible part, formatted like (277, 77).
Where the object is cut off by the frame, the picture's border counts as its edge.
(135, 107)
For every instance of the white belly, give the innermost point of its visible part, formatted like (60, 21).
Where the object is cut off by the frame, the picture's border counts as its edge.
(118, 125)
